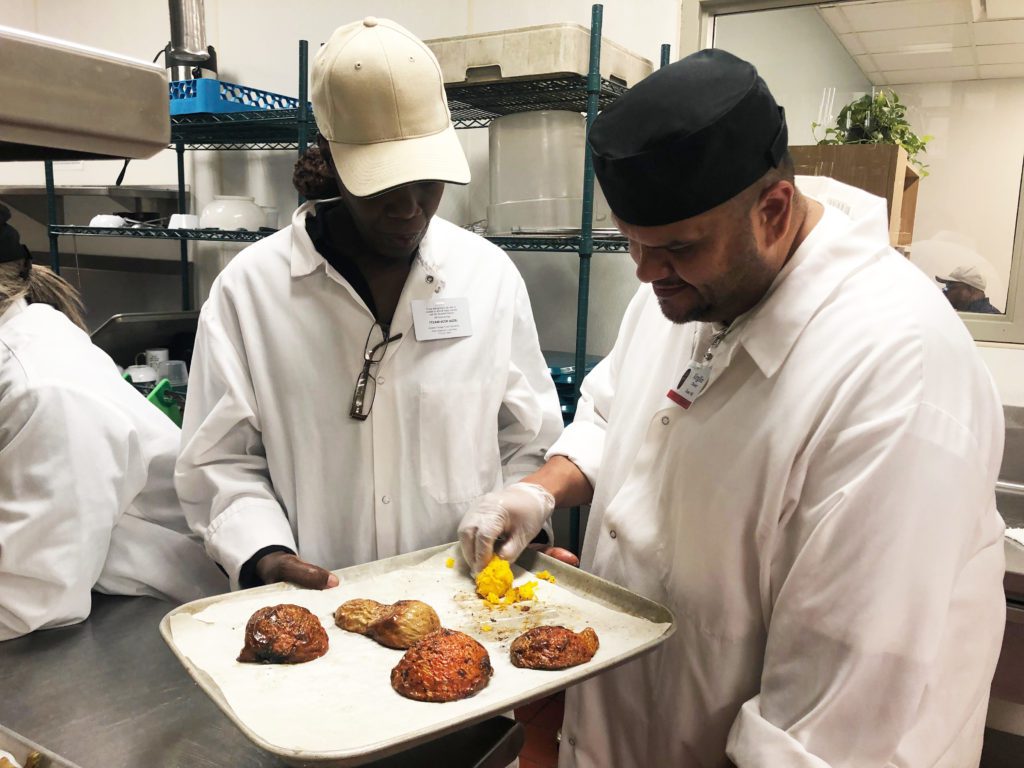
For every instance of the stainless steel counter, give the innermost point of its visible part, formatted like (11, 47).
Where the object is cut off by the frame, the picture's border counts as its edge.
(1010, 501)
(1013, 581)
(108, 693)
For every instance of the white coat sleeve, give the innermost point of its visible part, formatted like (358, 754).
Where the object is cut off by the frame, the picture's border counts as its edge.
(222, 476)
(582, 442)
(530, 418)
(60, 477)
(893, 523)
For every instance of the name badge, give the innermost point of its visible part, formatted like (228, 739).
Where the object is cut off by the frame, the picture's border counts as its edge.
(694, 379)
(441, 319)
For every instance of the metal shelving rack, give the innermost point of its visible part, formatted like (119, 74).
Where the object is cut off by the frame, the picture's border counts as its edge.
(270, 129)
(474, 106)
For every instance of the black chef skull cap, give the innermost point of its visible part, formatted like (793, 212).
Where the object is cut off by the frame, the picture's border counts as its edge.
(689, 137)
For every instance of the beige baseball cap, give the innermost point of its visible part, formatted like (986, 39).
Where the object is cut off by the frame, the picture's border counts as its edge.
(967, 275)
(379, 100)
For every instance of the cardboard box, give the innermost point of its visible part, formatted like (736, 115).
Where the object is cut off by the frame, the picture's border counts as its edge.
(880, 169)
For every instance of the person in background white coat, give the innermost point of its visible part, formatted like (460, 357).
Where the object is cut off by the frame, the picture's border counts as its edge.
(87, 495)
(362, 376)
(793, 445)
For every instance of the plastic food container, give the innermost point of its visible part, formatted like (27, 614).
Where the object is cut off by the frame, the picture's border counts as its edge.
(549, 50)
(536, 174)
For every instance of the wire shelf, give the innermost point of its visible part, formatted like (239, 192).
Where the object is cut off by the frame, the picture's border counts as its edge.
(474, 106)
(160, 233)
(562, 243)
(269, 129)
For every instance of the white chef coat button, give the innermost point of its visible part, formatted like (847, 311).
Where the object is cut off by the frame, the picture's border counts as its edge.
(612, 533)
(386, 499)
(380, 380)
(572, 741)
(370, 21)
(665, 420)
(430, 278)
(438, 289)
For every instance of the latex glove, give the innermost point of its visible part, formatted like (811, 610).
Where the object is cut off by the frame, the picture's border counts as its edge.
(514, 516)
(284, 566)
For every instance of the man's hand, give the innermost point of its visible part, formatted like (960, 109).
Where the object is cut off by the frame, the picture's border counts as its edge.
(513, 516)
(559, 553)
(284, 566)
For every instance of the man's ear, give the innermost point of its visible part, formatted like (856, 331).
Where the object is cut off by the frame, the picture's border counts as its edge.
(774, 211)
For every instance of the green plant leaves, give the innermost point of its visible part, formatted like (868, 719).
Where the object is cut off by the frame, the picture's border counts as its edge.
(879, 118)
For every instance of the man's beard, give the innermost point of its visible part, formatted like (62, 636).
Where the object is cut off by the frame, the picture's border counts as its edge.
(739, 288)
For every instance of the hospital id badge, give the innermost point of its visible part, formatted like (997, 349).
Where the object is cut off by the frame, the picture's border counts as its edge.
(441, 319)
(694, 379)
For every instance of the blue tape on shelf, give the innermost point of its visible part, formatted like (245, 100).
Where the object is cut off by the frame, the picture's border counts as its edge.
(189, 97)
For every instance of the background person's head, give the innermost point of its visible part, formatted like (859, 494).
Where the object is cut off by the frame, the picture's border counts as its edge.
(963, 286)
(385, 131)
(312, 177)
(694, 163)
(19, 278)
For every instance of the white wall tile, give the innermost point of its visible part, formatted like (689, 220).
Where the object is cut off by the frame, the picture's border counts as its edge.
(954, 57)
(1011, 53)
(834, 17)
(887, 40)
(935, 75)
(995, 32)
(900, 14)
(853, 44)
(866, 63)
(1006, 364)
(1001, 70)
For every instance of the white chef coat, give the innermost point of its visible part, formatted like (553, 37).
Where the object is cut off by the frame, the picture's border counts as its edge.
(86, 482)
(270, 455)
(821, 521)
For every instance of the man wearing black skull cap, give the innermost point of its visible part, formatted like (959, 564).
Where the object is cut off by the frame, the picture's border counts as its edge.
(793, 445)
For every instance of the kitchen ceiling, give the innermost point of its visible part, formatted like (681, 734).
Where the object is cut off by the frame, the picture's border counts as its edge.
(922, 41)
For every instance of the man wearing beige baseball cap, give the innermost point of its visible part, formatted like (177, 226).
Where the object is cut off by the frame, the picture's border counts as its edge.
(964, 287)
(361, 377)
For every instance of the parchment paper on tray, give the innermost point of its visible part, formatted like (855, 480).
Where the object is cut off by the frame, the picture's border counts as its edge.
(340, 709)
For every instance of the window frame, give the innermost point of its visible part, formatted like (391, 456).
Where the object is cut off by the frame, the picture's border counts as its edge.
(1005, 329)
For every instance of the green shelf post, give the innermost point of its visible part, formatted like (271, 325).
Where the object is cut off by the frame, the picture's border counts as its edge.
(186, 299)
(587, 218)
(586, 233)
(303, 101)
(51, 216)
(666, 50)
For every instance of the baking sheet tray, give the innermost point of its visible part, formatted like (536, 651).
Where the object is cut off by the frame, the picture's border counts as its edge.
(340, 709)
(21, 748)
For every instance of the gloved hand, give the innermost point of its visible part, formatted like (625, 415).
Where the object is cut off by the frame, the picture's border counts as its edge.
(514, 515)
(284, 566)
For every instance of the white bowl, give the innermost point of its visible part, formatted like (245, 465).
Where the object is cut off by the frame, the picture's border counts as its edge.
(231, 212)
(183, 221)
(106, 220)
(141, 374)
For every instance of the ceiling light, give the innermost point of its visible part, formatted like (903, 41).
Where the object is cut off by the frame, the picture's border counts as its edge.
(926, 48)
